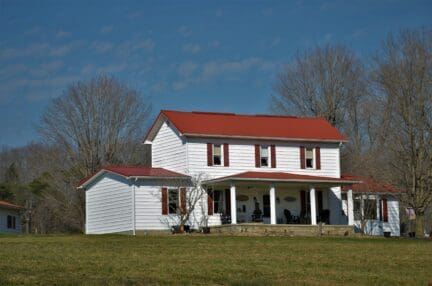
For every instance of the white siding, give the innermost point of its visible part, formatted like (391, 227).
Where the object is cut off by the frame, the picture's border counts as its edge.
(109, 205)
(3, 220)
(378, 227)
(169, 150)
(148, 206)
(242, 158)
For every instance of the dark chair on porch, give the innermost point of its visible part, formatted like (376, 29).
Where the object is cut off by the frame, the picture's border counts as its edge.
(225, 219)
(324, 216)
(288, 216)
(257, 216)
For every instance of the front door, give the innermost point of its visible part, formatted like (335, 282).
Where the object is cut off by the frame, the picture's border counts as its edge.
(266, 205)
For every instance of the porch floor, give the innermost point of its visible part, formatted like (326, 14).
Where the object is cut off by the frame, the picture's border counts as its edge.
(261, 229)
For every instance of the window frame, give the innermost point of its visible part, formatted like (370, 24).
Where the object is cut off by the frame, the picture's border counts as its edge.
(11, 222)
(313, 158)
(220, 203)
(220, 156)
(263, 147)
(177, 202)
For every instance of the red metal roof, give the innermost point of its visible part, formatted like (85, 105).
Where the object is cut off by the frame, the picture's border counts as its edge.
(9, 205)
(209, 124)
(126, 171)
(368, 185)
(281, 176)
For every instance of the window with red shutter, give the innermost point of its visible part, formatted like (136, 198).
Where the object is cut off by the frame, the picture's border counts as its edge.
(183, 201)
(302, 158)
(164, 201)
(226, 154)
(318, 158)
(273, 156)
(257, 156)
(210, 202)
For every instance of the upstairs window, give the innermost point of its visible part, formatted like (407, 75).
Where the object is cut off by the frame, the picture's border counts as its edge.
(264, 156)
(309, 158)
(173, 201)
(217, 154)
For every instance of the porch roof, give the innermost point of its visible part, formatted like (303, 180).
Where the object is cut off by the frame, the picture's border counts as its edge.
(281, 177)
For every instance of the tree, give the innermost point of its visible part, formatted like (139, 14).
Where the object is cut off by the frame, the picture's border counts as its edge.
(93, 121)
(403, 77)
(327, 82)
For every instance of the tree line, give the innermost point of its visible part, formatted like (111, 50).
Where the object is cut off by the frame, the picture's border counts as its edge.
(382, 103)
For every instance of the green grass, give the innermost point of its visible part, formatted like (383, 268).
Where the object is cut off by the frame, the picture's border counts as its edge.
(212, 260)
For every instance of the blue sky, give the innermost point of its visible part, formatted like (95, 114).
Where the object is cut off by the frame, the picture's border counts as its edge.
(187, 55)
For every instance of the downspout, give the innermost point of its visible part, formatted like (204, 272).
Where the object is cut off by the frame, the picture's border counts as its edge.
(133, 207)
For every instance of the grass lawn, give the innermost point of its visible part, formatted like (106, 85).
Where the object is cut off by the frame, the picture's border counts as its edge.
(212, 260)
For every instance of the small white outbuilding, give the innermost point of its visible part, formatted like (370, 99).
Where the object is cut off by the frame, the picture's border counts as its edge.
(10, 220)
(130, 199)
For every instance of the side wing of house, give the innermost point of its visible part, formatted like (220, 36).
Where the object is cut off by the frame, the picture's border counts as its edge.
(10, 221)
(169, 149)
(109, 205)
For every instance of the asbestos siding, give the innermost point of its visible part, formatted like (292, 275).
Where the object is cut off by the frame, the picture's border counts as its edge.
(4, 212)
(242, 158)
(169, 150)
(109, 205)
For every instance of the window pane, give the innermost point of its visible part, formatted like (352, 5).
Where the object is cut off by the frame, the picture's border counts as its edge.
(309, 163)
(217, 150)
(218, 202)
(264, 151)
(264, 161)
(173, 201)
(309, 153)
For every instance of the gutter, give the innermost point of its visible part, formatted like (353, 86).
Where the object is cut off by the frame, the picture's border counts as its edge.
(343, 182)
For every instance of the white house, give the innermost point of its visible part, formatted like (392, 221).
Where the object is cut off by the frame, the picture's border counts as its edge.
(10, 221)
(253, 168)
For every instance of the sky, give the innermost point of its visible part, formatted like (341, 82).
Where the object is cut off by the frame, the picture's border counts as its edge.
(183, 55)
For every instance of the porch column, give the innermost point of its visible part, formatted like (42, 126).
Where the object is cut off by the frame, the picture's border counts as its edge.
(233, 204)
(272, 205)
(313, 206)
(350, 207)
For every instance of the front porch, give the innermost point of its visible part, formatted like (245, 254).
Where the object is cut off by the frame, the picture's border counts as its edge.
(260, 229)
(277, 198)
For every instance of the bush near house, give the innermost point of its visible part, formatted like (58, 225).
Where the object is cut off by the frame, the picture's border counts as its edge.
(212, 260)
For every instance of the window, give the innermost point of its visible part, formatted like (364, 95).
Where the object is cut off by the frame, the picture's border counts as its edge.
(369, 208)
(264, 156)
(11, 222)
(173, 201)
(310, 158)
(218, 202)
(217, 154)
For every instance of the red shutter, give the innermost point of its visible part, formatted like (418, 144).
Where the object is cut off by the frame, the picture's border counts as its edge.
(183, 200)
(228, 201)
(318, 158)
(209, 154)
(164, 201)
(303, 203)
(210, 202)
(226, 155)
(257, 156)
(273, 156)
(302, 158)
(385, 210)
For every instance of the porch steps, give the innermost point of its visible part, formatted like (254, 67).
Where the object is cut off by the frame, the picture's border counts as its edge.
(260, 229)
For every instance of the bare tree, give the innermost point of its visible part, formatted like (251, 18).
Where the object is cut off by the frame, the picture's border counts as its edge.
(92, 121)
(327, 82)
(403, 76)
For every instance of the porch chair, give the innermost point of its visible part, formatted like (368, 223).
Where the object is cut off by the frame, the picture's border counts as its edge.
(288, 216)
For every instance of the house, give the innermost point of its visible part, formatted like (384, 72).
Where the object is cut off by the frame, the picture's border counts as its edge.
(376, 206)
(10, 221)
(251, 168)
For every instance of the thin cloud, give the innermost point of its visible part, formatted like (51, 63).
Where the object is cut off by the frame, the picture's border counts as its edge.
(106, 29)
(191, 48)
(102, 47)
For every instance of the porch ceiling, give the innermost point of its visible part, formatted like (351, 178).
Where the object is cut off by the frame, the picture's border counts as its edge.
(279, 178)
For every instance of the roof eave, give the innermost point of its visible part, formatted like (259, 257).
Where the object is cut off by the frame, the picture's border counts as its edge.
(266, 138)
(312, 181)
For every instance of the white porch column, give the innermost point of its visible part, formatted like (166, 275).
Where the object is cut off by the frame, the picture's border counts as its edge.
(272, 205)
(313, 206)
(233, 204)
(350, 207)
